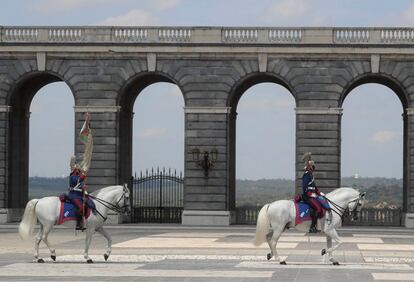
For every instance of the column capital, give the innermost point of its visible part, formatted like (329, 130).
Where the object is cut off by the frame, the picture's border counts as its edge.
(207, 110)
(5, 108)
(409, 111)
(318, 111)
(97, 109)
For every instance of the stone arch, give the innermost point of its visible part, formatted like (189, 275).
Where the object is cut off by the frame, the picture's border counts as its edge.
(399, 90)
(19, 99)
(252, 79)
(236, 93)
(126, 100)
(383, 79)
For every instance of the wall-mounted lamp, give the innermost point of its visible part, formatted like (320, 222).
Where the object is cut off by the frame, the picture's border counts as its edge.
(207, 159)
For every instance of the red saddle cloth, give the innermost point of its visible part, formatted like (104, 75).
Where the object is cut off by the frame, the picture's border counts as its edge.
(69, 211)
(303, 209)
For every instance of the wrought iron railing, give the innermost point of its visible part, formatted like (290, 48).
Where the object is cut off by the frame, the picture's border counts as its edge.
(367, 217)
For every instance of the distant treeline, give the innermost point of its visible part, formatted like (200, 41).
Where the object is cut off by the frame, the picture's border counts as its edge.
(257, 192)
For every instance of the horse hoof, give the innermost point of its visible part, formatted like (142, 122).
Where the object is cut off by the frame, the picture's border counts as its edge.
(323, 252)
(335, 263)
(40, 260)
(53, 257)
(283, 262)
(269, 256)
(106, 257)
(89, 261)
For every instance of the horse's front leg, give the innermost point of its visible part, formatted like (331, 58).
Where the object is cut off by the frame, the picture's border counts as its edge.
(108, 238)
(331, 234)
(88, 239)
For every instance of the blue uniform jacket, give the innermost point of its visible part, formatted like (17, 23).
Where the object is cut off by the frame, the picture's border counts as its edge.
(308, 183)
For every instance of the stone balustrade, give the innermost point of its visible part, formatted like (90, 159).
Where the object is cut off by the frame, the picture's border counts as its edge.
(214, 35)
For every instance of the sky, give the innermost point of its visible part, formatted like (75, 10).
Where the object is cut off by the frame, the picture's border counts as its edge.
(371, 133)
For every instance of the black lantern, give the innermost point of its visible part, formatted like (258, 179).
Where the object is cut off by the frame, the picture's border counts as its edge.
(207, 159)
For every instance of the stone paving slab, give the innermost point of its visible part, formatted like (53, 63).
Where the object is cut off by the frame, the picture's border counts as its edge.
(181, 253)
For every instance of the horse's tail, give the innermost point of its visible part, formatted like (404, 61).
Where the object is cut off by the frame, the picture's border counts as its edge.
(262, 226)
(29, 220)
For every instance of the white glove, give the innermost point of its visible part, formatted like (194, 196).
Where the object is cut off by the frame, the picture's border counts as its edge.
(322, 194)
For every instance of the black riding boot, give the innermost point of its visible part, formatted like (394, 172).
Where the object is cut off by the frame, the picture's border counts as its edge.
(314, 216)
(79, 224)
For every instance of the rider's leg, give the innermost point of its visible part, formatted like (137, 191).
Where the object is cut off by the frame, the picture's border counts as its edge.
(313, 213)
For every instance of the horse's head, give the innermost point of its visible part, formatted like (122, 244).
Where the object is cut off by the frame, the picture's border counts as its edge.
(124, 202)
(355, 206)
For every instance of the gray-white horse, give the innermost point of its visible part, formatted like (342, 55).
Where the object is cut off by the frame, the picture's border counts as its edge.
(47, 211)
(281, 215)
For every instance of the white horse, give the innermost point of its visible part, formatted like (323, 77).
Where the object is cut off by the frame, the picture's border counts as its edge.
(47, 210)
(281, 215)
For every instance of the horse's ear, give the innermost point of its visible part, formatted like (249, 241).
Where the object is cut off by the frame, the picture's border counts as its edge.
(362, 194)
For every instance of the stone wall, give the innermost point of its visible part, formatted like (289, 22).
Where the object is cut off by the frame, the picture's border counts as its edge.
(106, 80)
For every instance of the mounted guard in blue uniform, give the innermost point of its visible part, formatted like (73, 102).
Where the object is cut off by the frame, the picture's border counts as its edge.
(77, 179)
(310, 192)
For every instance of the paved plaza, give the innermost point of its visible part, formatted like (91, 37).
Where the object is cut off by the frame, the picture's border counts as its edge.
(180, 253)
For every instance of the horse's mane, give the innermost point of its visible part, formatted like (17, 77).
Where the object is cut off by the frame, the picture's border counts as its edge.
(104, 189)
(340, 189)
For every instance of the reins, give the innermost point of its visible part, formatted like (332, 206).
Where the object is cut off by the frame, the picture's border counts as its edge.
(108, 205)
(340, 210)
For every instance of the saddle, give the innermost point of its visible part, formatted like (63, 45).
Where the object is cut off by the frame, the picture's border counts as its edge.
(69, 211)
(303, 209)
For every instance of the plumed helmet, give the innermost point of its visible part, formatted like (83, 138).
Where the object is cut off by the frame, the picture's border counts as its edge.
(307, 158)
(73, 164)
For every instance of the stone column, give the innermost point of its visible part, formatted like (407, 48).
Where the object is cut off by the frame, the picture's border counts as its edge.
(408, 179)
(206, 199)
(318, 131)
(4, 124)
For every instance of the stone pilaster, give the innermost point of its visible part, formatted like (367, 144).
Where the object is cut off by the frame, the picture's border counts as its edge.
(206, 199)
(318, 131)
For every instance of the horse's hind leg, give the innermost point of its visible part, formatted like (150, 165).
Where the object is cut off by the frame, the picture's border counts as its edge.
(38, 239)
(272, 238)
(269, 242)
(103, 232)
(46, 232)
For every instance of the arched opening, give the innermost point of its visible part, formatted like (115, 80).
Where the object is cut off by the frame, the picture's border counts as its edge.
(262, 162)
(20, 101)
(158, 138)
(373, 142)
(166, 91)
(152, 147)
(51, 140)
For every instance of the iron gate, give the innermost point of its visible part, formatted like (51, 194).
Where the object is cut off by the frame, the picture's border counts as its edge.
(157, 197)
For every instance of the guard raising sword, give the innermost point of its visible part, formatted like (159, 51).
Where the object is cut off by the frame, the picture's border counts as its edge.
(77, 178)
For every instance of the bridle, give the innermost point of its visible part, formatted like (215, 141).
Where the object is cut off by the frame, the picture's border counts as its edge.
(342, 211)
(114, 207)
